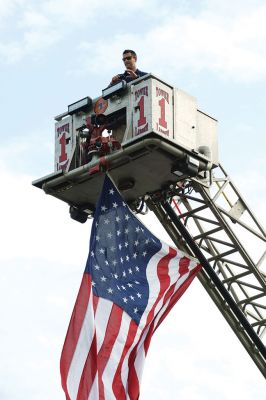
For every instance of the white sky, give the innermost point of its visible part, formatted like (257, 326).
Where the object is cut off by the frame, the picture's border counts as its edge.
(55, 52)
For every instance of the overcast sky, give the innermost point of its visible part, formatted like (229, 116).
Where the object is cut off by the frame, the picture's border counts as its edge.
(55, 52)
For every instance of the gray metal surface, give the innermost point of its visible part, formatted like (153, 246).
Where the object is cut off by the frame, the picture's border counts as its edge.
(147, 160)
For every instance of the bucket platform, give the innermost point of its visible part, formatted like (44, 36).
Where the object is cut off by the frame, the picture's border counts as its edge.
(155, 136)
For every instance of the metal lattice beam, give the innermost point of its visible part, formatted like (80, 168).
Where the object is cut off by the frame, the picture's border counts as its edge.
(208, 217)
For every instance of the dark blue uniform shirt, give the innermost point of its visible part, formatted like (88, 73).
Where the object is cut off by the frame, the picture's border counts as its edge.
(126, 76)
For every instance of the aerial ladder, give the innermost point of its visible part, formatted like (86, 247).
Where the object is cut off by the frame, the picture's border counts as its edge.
(162, 153)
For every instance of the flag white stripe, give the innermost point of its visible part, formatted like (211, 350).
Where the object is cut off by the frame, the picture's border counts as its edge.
(174, 268)
(153, 281)
(94, 392)
(81, 352)
(152, 277)
(174, 275)
(125, 370)
(115, 356)
(159, 309)
(139, 362)
(140, 358)
(165, 306)
(193, 264)
(102, 315)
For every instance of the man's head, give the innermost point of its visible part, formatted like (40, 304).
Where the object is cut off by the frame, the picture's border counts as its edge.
(130, 59)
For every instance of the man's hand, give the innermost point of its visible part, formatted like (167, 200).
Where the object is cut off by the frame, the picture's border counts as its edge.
(115, 79)
(131, 73)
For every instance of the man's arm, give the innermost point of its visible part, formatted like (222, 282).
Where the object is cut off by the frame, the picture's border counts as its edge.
(129, 75)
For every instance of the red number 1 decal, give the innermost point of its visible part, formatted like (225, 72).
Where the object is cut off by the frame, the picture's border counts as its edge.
(142, 118)
(63, 155)
(162, 121)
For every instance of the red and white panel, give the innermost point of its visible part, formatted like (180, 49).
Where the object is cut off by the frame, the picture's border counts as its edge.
(142, 111)
(64, 143)
(162, 107)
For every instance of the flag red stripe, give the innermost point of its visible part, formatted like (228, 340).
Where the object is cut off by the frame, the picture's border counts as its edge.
(90, 367)
(183, 268)
(183, 265)
(174, 297)
(112, 331)
(162, 272)
(151, 328)
(134, 387)
(118, 386)
(89, 372)
(74, 329)
(179, 293)
(133, 380)
(95, 301)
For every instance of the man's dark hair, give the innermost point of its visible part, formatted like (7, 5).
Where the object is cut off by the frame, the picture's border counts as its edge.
(130, 51)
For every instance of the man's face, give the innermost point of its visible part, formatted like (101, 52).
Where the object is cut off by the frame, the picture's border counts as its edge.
(129, 61)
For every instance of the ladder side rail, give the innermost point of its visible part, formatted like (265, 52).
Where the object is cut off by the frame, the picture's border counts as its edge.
(226, 182)
(263, 257)
(260, 236)
(247, 208)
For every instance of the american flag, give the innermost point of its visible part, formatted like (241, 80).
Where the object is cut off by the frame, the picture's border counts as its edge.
(131, 282)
